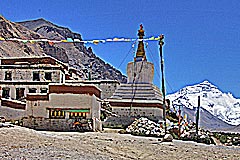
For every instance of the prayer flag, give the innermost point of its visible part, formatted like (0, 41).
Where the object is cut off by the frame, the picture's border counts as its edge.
(32, 41)
(95, 42)
(109, 40)
(115, 39)
(69, 40)
(77, 40)
(151, 38)
(64, 40)
(185, 117)
(50, 43)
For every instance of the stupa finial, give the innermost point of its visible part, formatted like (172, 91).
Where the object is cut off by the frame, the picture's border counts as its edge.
(140, 55)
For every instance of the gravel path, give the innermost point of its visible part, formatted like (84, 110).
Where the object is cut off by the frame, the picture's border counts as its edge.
(22, 143)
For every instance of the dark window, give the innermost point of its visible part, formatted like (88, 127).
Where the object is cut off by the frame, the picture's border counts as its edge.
(48, 76)
(19, 93)
(36, 76)
(8, 75)
(32, 90)
(56, 114)
(43, 90)
(5, 92)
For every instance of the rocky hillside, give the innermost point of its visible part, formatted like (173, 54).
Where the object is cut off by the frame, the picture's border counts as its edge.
(75, 54)
(17, 49)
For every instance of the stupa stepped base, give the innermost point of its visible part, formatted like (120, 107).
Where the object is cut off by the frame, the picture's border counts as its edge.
(141, 91)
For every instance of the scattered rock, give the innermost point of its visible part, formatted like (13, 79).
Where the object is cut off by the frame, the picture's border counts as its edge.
(168, 138)
(5, 125)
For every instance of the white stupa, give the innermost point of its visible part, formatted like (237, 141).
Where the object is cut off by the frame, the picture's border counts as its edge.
(139, 97)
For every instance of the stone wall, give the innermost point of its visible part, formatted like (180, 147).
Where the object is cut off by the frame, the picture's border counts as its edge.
(108, 89)
(57, 124)
(48, 124)
(118, 122)
(95, 109)
(12, 114)
(153, 113)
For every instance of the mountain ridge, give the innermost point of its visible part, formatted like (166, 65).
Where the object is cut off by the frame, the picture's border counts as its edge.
(79, 56)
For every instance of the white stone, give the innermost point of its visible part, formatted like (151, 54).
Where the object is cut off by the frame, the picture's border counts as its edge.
(168, 138)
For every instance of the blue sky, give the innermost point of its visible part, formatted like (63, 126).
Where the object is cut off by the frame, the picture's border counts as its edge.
(202, 38)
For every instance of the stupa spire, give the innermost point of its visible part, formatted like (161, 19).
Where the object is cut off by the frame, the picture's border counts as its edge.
(140, 55)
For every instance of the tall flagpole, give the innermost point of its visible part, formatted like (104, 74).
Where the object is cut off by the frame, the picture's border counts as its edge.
(161, 43)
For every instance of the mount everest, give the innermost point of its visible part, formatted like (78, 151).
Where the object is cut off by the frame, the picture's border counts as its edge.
(218, 109)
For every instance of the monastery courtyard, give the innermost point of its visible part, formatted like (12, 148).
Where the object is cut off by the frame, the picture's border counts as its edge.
(23, 143)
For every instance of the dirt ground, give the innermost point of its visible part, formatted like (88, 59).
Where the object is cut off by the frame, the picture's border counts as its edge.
(22, 143)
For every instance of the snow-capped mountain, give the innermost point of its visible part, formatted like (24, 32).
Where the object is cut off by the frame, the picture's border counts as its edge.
(221, 105)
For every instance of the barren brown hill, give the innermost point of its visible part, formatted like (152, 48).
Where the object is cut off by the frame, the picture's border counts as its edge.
(14, 48)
